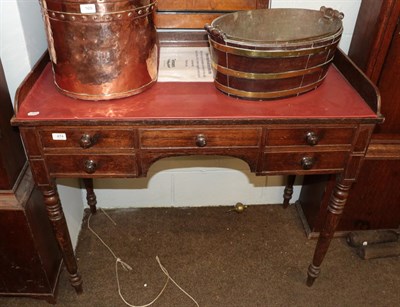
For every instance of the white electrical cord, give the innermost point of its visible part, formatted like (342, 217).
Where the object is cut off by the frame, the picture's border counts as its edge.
(127, 267)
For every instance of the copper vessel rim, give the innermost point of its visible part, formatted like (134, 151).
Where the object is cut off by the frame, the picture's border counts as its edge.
(84, 96)
(103, 13)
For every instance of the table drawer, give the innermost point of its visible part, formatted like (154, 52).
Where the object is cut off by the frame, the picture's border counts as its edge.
(303, 162)
(310, 136)
(96, 165)
(200, 137)
(87, 138)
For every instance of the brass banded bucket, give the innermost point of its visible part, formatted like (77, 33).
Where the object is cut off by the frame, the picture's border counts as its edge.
(273, 53)
(102, 49)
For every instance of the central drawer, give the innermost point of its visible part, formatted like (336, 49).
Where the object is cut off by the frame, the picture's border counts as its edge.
(94, 165)
(199, 138)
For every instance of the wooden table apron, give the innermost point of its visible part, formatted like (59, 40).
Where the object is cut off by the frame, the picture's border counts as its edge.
(325, 131)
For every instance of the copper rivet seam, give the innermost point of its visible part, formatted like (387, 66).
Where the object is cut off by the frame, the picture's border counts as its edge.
(109, 16)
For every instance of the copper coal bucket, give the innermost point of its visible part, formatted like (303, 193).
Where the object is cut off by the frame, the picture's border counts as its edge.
(273, 53)
(102, 49)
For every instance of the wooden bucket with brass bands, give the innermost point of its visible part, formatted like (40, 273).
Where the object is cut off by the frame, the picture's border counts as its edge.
(102, 49)
(273, 53)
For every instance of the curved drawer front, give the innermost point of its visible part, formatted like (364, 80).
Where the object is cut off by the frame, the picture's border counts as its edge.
(92, 165)
(86, 138)
(199, 137)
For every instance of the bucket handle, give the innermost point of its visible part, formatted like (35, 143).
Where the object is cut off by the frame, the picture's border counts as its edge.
(215, 33)
(330, 13)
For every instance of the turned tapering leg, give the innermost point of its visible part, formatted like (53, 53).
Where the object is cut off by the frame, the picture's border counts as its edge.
(335, 210)
(288, 192)
(58, 222)
(90, 195)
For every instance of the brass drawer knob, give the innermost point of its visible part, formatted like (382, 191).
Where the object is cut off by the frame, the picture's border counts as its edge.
(201, 140)
(307, 163)
(87, 140)
(312, 138)
(90, 166)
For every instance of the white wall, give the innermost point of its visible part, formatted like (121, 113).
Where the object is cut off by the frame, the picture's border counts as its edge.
(22, 42)
(13, 50)
(192, 181)
(350, 9)
(184, 181)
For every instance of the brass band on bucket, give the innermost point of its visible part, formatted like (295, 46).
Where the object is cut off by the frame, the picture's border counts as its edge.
(267, 76)
(271, 53)
(266, 95)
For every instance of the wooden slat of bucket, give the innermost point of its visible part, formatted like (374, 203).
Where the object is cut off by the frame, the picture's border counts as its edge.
(266, 76)
(269, 53)
(270, 85)
(266, 95)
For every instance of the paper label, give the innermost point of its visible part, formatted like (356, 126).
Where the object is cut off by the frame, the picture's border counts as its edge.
(185, 64)
(34, 113)
(59, 136)
(89, 8)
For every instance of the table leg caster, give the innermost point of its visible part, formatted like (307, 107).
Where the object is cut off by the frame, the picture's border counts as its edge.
(312, 274)
(76, 282)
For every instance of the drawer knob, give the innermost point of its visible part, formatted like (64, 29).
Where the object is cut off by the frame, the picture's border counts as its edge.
(307, 162)
(87, 140)
(312, 139)
(201, 140)
(90, 166)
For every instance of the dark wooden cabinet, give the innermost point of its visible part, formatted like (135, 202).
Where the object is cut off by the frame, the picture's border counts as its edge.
(375, 203)
(30, 260)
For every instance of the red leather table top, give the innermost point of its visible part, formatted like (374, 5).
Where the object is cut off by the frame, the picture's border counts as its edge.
(335, 98)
